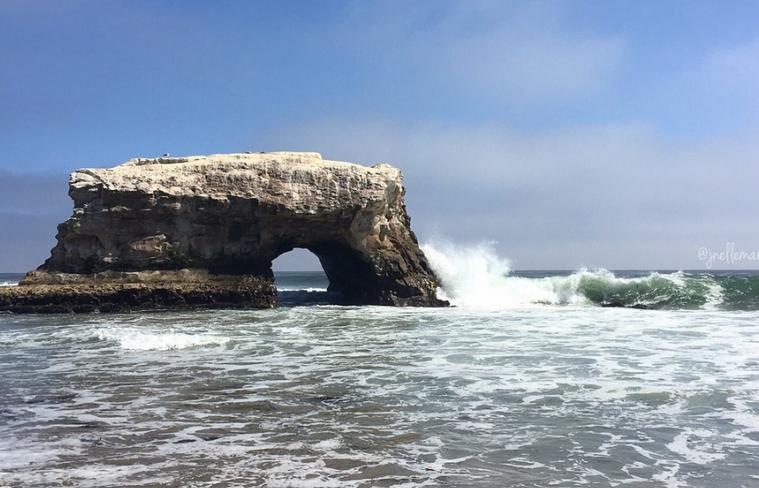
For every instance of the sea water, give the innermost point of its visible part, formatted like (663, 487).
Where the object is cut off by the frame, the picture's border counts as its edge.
(587, 378)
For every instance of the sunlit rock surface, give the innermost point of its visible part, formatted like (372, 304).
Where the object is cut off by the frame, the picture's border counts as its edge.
(221, 219)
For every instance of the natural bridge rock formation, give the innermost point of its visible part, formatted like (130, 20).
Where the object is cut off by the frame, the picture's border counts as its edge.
(204, 230)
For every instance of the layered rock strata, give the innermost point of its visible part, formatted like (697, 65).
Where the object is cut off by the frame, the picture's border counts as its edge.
(203, 230)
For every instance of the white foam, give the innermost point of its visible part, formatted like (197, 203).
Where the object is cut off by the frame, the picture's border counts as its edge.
(714, 296)
(469, 275)
(669, 476)
(475, 277)
(502, 381)
(688, 446)
(132, 338)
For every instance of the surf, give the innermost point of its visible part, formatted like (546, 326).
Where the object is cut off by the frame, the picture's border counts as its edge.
(475, 276)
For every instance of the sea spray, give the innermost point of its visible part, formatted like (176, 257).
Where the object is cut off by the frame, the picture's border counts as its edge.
(470, 276)
(475, 276)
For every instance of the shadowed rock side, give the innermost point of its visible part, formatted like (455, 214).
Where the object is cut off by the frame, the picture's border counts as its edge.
(202, 226)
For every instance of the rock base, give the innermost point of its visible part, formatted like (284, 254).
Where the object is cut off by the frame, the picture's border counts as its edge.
(109, 291)
(114, 296)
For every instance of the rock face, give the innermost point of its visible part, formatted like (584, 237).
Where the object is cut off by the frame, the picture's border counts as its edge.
(103, 293)
(226, 217)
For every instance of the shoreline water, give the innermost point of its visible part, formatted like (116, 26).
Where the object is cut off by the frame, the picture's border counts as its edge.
(494, 287)
(325, 395)
(525, 381)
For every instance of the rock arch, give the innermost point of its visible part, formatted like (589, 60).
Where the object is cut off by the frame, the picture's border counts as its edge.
(351, 274)
(206, 219)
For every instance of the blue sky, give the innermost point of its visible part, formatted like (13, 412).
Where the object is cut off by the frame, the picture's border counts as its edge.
(622, 135)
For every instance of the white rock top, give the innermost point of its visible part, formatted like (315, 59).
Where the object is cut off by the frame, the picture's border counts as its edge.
(302, 181)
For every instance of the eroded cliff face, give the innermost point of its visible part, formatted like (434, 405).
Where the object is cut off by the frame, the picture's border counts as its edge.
(230, 215)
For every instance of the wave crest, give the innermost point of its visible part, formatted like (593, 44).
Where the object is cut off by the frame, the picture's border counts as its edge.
(476, 277)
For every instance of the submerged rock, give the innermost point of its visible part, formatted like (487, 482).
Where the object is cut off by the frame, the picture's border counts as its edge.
(204, 231)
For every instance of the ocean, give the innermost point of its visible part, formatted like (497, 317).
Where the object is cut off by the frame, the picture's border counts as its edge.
(532, 379)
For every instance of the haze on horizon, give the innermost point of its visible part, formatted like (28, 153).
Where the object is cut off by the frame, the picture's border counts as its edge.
(572, 134)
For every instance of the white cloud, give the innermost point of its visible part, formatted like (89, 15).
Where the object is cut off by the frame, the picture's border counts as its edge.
(717, 92)
(607, 195)
(515, 55)
(539, 68)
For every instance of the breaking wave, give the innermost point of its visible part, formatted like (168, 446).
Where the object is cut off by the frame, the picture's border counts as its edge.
(476, 277)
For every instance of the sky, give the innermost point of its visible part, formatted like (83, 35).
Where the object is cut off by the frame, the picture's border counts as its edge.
(622, 135)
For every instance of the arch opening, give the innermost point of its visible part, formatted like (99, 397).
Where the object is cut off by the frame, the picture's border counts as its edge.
(346, 277)
(300, 279)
